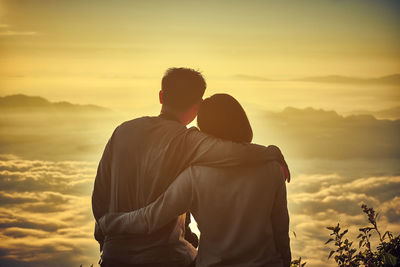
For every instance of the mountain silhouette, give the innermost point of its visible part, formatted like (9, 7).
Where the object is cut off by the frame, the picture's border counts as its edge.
(392, 113)
(393, 79)
(65, 131)
(317, 133)
(24, 103)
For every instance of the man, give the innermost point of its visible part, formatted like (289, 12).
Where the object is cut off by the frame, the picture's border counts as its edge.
(145, 155)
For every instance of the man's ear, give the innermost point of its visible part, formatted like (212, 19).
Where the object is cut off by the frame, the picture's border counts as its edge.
(190, 114)
(160, 97)
(195, 109)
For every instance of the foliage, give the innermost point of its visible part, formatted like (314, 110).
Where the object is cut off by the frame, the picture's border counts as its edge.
(297, 263)
(387, 252)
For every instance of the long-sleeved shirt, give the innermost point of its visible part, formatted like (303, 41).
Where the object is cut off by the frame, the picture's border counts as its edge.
(141, 159)
(241, 213)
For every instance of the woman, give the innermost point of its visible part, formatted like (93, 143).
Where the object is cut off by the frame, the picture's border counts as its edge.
(241, 212)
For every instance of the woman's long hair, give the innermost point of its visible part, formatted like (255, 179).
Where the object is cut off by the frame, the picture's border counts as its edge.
(222, 116)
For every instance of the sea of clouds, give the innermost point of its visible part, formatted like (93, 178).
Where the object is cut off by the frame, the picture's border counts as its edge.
(45, 213)
(46, 220)
(48, 162)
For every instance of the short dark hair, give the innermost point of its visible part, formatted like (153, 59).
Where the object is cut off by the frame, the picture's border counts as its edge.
(182, 88)
(221, 115)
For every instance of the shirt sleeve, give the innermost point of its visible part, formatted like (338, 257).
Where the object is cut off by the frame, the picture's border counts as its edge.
(280, 218)
(206, 150)
(175, 201)
(101, 189)
(101, 192)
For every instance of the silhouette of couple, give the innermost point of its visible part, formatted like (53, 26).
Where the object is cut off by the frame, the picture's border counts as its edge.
(154, 172)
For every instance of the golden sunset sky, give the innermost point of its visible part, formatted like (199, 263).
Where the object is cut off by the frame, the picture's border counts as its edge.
(114, 53)
(318, 78)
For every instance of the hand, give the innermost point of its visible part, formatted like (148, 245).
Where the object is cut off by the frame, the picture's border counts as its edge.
(282, 162)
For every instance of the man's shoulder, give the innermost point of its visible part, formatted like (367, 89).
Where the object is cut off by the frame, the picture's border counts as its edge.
(152, 120)
(138, 123)
(135, 121)
(129, 125)
(150, 125)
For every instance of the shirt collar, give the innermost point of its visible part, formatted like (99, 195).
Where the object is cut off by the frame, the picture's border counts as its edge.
(169, 116)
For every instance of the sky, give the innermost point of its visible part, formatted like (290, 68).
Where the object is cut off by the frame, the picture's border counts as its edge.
(318, 78)
(115, 53)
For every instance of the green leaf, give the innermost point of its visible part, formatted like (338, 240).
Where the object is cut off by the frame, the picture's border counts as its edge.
(389, 259)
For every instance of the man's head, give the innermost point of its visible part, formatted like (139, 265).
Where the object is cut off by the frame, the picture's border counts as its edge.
(181, 92)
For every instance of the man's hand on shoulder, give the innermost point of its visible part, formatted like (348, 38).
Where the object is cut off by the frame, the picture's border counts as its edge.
(285, 168)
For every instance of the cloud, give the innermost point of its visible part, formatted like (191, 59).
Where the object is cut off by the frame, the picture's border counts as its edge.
(393, 79)
(338, 162)
(6, 31)
(17, 33)
(46, 219)
(67, 177)
(321, 200)
(311, 133)
(250, 78)
(36, 128)
(45, 213)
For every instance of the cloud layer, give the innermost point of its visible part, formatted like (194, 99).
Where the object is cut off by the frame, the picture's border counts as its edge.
(34, 128)
(6, 30)
(312, 133)
(45, 214)
(317, 201)
(337, 163)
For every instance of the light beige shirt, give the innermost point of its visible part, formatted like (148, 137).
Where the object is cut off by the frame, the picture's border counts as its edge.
(241, 213)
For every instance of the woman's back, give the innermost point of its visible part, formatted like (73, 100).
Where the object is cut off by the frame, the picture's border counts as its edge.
(241, 213)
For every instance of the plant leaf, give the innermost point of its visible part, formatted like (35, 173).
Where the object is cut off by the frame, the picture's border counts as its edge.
(331, 253)
(329, 240)
(389, 259)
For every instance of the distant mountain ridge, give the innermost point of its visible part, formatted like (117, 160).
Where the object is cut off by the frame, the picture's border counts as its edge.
(392, 113)
(33, 127)
(309, 112)
(251, 78)
(318, 133)
(393, 79)
(20, 102)
(320, 115)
